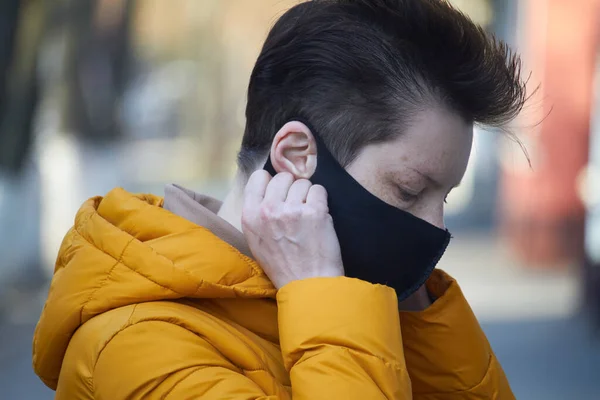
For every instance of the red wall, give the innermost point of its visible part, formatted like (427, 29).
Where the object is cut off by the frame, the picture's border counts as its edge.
(542, 215)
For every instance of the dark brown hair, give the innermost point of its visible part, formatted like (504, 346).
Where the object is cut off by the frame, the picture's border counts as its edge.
(359, 69)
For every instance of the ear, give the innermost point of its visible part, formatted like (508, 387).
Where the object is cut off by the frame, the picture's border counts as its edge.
(294, 150)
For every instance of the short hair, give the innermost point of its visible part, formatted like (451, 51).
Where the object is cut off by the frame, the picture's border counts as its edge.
(357, 70)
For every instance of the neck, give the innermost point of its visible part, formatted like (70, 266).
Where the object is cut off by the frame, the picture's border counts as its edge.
(231, 210)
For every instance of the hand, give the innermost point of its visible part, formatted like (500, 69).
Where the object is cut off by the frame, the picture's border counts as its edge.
(289, 229)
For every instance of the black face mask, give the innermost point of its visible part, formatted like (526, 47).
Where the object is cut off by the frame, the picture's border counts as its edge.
(379, 243)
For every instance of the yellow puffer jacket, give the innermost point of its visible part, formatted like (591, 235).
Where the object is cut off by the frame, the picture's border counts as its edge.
(145, 304)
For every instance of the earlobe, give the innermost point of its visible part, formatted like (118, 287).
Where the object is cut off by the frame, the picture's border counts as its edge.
(294, 150)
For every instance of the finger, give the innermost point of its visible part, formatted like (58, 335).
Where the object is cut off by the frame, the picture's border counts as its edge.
(256, 188)
(298, 191)
(317, 195)
(278, 188)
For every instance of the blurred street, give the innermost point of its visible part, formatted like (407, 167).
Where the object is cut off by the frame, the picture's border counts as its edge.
(548, 351)
(138, 94)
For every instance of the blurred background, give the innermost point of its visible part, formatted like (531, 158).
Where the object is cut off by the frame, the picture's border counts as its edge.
(140, 93)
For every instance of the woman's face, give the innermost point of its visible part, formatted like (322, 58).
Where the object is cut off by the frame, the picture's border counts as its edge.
(417, 170)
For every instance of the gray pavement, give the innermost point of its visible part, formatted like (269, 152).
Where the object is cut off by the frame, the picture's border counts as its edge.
(549, 359)
(17, 380)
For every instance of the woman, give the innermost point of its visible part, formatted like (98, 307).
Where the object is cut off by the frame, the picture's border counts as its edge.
(315, 277)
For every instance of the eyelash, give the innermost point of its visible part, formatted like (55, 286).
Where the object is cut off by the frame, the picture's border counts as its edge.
(409, 197)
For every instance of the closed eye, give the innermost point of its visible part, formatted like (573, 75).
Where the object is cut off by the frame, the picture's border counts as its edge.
(407, 196)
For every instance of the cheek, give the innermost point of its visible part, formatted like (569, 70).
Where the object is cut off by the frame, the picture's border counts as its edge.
(368, 175)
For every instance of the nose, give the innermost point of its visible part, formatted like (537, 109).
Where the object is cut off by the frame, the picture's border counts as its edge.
(434, 215)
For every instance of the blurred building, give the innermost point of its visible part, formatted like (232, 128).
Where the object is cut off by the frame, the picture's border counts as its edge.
(140, 93)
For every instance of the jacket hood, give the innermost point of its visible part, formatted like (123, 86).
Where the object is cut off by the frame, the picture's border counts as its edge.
(126, 249)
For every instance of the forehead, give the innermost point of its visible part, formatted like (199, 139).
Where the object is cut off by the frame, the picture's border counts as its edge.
(437, 144)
